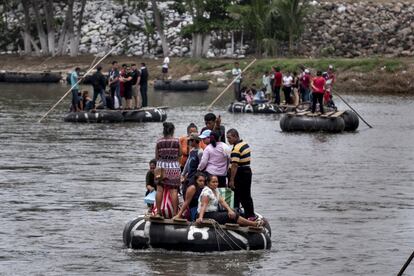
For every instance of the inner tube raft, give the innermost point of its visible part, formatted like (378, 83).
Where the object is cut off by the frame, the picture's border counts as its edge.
(118, 116)
(30, 77)
(143, 233)
(181, 85)
(333, 122)
(264, 108)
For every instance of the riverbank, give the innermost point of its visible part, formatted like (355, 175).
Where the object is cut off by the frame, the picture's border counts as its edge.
(359, 75)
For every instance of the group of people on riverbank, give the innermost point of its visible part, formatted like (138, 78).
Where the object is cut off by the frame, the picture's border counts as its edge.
(125, 84)
(202, 168)
(296, 88)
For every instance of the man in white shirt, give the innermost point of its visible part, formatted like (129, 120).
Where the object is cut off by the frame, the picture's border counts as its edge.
(165, 64)
(287, 87)
(237, 73)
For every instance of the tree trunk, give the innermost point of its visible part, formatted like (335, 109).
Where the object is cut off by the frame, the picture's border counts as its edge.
(290, 41)
(197, 45)
(26, 28)
(232, 42)
(74, 44)
(157, 20)
(71, 29)
(67, 29)
(40, 29)
(36, 48)
(50, 25)
(241, 39)
(206, 44)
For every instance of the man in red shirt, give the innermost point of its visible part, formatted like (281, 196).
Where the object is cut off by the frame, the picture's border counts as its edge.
(318, 89)
(277, 83)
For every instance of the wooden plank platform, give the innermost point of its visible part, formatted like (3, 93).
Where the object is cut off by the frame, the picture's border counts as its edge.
(302, 113)
(310, 114)
(337, 114)
(167, 221)
(206, 223)
(327, 114)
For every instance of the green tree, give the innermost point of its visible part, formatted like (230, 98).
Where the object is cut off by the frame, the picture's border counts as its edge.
(290, 15)
(208, 16)
(250, 17)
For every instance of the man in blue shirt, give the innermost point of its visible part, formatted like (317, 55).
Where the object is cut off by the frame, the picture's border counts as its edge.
(74, 77)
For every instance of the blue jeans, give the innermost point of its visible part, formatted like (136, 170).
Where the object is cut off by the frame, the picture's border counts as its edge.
(305, 94)
(116, 92)
(75, 99)
(101, 93)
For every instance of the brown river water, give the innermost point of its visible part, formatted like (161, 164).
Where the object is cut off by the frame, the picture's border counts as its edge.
(338, 204)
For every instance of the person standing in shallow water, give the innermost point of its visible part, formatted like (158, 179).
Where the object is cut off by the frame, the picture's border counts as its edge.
(167, 154)
(240, 173)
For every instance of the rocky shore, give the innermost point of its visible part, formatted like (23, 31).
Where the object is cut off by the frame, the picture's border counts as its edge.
(337, 29)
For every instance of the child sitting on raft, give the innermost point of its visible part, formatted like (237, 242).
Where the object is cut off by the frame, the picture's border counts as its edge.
(208, 207)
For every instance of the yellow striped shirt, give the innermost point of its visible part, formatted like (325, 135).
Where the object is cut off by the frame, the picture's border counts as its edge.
(241, 154)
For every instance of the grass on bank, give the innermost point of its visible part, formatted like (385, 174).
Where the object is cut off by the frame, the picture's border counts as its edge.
(362, 65)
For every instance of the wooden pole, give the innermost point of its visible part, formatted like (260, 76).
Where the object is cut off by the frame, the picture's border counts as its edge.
(228, 86)
(406, 264)
(339, 96)
(93, 67)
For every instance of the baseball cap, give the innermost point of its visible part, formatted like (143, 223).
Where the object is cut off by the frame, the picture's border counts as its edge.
(205, 134)
(330, 67)
(307, 71)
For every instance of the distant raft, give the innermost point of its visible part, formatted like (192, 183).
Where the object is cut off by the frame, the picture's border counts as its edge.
(181, 85)
(118, 116)
(333, 121)
(244, 107)
(143, 233)
(30, 77)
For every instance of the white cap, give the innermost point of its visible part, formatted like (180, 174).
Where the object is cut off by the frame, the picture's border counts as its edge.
(205, 134)
(330, 67)
(307, 71)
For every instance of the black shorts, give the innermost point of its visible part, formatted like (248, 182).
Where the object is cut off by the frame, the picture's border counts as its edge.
(222, 217)
(128, 93)
(164, 70)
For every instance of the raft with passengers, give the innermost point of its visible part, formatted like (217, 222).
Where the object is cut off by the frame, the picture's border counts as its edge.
(217, 213)
(182, 235)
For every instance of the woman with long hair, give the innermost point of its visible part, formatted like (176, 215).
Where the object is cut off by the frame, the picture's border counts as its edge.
(208, 207)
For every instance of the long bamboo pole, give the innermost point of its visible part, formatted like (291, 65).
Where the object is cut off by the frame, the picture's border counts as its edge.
(339, 96)
(228, 86)
(90, 70)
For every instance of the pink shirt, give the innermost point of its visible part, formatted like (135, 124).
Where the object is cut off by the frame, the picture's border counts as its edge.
(215, 160)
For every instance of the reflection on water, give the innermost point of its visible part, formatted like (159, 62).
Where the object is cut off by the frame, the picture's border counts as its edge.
(338, 204)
